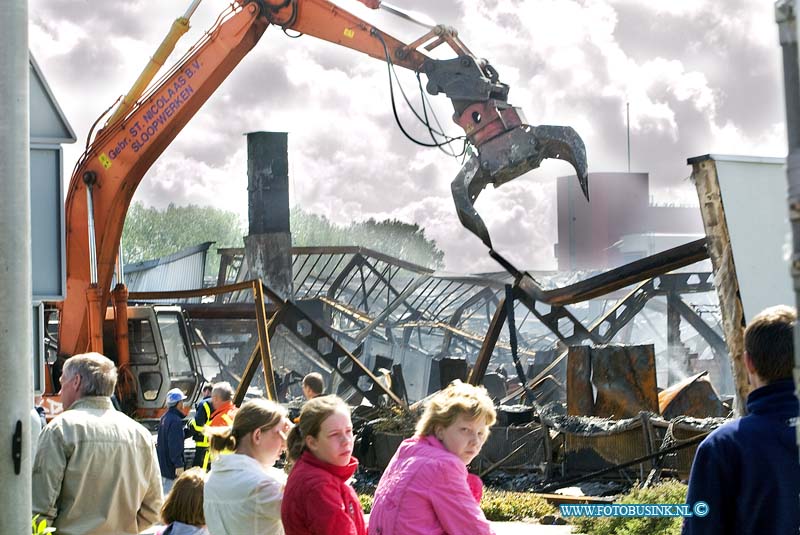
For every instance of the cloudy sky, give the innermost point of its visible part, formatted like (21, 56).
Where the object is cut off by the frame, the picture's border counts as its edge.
(700, 76)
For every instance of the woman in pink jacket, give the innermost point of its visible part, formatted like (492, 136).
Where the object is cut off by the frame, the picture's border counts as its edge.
(426, 489)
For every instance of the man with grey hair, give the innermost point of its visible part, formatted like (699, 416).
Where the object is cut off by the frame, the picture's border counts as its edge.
(222, 401)
(95, 470)
(224, 409)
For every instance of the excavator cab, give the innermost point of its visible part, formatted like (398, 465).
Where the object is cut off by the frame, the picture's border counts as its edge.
(161, 358)
(182, 361)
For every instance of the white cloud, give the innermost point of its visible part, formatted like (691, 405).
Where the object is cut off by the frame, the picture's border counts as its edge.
(680, 8)
(699, 78)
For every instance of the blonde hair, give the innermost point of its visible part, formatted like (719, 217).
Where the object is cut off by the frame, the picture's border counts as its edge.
(447, 405)
(253, 414)
(314, 412)
(184, 503)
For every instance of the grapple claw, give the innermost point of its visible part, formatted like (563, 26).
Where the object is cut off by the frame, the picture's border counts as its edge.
(564, 143)
(461, 187)
(509, 155)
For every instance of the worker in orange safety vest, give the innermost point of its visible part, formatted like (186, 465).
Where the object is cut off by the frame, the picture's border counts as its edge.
(224, 409)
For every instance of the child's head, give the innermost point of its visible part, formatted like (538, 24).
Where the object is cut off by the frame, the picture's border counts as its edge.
(460, 417)
(184, 503)
(259, 430)
(325, 430)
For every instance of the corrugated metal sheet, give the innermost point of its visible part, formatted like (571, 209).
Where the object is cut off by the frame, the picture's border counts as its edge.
(183, 270)
(588, 452)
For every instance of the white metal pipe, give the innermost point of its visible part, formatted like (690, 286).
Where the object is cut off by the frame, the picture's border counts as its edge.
(92, 238)
(120, 268)
(15, 269)
(191, 9)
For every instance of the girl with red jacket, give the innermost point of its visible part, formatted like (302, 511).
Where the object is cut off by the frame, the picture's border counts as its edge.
(317, 499)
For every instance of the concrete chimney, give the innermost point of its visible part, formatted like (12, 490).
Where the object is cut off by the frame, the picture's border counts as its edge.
(269, 240)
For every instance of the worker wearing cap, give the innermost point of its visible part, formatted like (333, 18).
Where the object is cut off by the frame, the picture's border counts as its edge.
(170, 439)
(195, 427)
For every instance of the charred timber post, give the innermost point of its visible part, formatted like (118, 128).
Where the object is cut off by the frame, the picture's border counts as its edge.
(704, 176)
(269, 241)
(675, 350)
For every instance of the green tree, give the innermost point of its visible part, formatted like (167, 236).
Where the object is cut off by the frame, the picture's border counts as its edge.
(311, 229)
(405, 241)
(152, 233)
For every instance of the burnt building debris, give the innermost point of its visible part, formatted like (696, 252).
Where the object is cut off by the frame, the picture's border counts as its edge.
(611, 381)
(387, 313)
(589, 374)
(378, 305)
(413, 315)
(694, 396)
(264, 320)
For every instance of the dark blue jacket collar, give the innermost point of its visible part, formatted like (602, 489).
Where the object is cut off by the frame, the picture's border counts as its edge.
(174, 410)
(776, 399)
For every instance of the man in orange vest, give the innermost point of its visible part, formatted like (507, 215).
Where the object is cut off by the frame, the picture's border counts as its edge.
(224, 409)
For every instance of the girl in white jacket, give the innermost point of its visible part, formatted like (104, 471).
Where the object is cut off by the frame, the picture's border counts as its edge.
(244, 490)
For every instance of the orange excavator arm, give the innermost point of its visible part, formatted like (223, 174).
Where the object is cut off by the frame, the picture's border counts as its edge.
(118, 158)
(106, 177)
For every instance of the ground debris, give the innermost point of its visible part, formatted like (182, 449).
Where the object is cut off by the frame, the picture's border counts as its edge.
(701, 424)
(594, 488)
(366, 481)
(518, 482)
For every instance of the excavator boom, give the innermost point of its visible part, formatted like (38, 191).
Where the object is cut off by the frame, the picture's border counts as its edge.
(119, 157)
(106, 177)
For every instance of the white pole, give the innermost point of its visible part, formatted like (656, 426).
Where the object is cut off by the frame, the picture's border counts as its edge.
(16, 344)
(786, 17)
(628, 128)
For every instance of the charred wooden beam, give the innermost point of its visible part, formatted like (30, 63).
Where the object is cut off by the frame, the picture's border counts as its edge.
(615, 279)
(485, 354)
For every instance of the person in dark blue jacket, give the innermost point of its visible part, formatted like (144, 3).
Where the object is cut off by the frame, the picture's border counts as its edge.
(170, 439)
(196, 426)
(747, 471)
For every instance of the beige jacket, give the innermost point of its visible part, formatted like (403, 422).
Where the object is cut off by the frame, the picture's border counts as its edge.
(96, 472)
